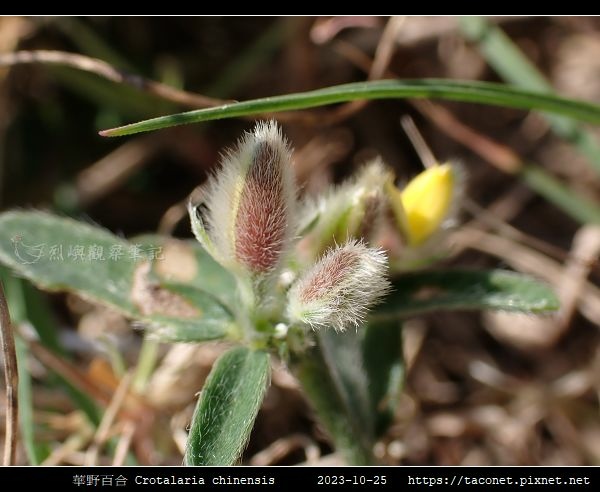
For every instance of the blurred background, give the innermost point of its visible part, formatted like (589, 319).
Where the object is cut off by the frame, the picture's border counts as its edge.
(481, 388)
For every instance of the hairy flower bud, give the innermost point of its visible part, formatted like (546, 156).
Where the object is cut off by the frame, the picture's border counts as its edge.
(250, 204)
(352, 209)
(340, 288)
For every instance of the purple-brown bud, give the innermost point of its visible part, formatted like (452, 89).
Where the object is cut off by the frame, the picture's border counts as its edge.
(251, 204)
(340, 288)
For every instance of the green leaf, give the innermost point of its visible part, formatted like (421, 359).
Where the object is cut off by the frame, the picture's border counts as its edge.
(60, 254)
(342, 355)
(228, 405)
(420, 292)
(453, 90)
(334, 387)
(384, 366)
(353, 379)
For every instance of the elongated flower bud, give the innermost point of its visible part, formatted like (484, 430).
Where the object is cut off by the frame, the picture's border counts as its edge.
(250, 204)
(339, 290)
(352, 209)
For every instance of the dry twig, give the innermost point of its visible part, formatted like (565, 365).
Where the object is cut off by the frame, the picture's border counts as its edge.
(104, 429)
(107, 71)
(11, 377)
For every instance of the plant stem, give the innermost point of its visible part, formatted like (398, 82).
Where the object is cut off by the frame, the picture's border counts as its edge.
(146, 363)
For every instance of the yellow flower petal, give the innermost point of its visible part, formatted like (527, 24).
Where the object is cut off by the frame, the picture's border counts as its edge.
(426, 201)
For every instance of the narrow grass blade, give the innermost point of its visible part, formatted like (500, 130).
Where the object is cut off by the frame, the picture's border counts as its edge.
(36, 452)
(512, 65)
(454, 90)
(555, 191)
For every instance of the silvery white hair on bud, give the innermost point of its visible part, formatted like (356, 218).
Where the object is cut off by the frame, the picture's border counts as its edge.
(340, 288)
(358, 202)
(250, 202)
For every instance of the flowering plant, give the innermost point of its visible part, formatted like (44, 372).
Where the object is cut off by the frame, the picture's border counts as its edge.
(317, 283)
(308, 274)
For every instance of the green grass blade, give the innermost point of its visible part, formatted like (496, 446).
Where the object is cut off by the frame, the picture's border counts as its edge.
(454, 90)
(503, 55)
(26, 304)
(513, 66)
(15, 299)
(228, 405)
(36, 452)
(420, 292)
(555, 191)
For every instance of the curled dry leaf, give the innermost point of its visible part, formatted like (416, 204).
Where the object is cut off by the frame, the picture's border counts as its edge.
(151, 299)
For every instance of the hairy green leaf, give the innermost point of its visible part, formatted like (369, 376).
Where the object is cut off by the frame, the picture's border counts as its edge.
(333, 390)
(353, 380)
(419, 292)
(227, 408)
(60, 254)
(384, 366)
